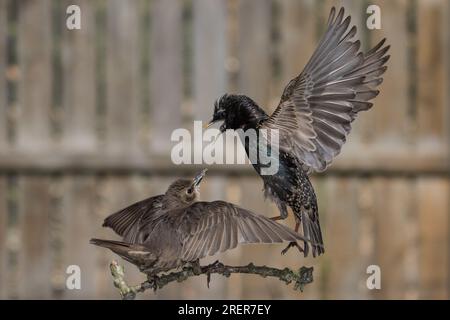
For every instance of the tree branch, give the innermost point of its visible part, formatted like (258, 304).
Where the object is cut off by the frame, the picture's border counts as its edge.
(300, 278)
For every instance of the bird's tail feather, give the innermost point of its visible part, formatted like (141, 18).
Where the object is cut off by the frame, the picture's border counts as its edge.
(311, 231)
(110, 244)
(133, 253)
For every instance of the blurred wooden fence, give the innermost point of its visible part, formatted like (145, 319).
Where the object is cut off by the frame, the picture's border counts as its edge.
(86, 118)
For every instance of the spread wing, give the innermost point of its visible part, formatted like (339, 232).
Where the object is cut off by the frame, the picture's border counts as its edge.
(317, 108)
(127, 222)
(210, 227)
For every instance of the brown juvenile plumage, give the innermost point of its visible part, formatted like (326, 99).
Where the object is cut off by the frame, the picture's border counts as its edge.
(166, 231)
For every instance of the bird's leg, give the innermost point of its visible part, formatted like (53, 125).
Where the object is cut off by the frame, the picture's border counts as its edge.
(290, 245)
(196, 266)
(283, 212)
(293, 244)
(277, 218)
(285, 250)
(216, 264)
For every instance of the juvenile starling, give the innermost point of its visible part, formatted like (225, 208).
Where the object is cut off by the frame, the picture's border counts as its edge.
(165, 232)
(313, 119)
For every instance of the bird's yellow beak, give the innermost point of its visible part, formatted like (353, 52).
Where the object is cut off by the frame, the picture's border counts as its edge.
(208, 124)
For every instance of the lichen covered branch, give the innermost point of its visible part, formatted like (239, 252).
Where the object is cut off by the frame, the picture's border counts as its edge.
(300, 278)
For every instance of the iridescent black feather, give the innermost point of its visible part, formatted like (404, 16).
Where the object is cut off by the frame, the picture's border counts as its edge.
(313, 118)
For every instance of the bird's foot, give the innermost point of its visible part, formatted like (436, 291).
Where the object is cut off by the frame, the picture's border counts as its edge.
(216, 264)
(290, 245)
(195, 266)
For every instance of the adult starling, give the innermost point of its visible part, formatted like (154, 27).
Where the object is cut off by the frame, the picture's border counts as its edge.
(313, 119)
(164, 232)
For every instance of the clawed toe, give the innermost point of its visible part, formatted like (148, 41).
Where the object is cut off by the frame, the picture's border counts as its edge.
(285, 250)
(290, 245)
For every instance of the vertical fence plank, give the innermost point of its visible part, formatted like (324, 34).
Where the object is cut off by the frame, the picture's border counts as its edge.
(35, 50)
(432, 86)
(3, 61)
(3, 143)
(392, 122)
(34, 263)
(367, 208)
(122, 76)
(433, 237)
(391, 116)
(33, 134)
(209, 55)
(3, 237)
(165, 72)
(79, 100)
(343, 269)
(79, 225)
(255, 49)
(297, 39)
(394, 215)
(430, 61)
(446, 26)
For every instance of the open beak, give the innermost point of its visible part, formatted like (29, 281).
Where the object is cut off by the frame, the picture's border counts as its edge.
(208, 124)
(198, 178)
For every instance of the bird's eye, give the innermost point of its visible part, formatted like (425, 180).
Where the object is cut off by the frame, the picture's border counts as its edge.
(189, 191)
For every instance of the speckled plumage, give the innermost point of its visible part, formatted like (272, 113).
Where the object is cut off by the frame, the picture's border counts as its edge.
(291, 186)
(313, 118)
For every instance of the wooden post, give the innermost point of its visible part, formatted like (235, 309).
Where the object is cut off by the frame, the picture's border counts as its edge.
(122, 77)
(391, 114)
(431, 120)
(254, 51)
(34, 260)
(80, 223)
(433, 237)
(35, 83)
(396, 237)
(432, 80)
(79, 100)
(3, 238)
(33, 135)
(343, 270)
(3, 145)
(209, 56)
(165, 72)
(3, 92)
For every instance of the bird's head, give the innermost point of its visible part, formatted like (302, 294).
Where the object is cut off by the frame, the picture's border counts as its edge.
(184, 192)
(236, 112)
